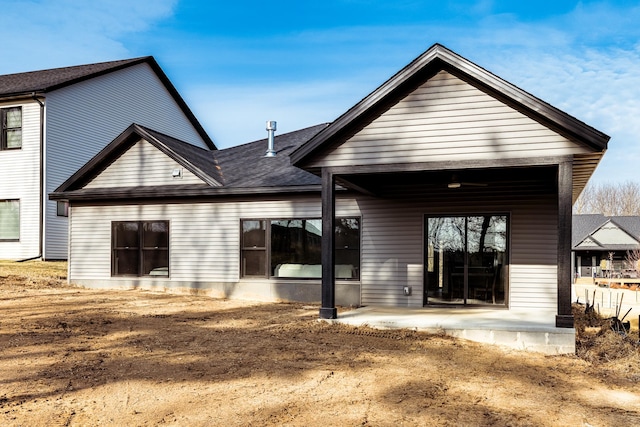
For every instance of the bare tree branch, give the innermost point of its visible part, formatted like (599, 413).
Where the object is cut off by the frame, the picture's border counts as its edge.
(620, 199)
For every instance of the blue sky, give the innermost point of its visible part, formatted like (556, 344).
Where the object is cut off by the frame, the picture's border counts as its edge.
(238, 64)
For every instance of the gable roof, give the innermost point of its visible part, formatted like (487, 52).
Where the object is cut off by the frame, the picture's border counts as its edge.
(438, 58)
(237, 170)
(40, 82)
(584, 226)
(197, 160)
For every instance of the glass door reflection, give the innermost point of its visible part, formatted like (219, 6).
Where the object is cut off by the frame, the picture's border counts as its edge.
(466, 260)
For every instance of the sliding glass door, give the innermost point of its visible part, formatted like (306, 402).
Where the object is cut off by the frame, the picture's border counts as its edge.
(466, 259)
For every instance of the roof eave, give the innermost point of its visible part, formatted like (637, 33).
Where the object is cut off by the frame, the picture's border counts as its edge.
(437, 58)
(22, 96)
(147, 193)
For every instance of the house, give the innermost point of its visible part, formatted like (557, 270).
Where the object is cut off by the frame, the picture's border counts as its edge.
(600, 244)
(445, 187)
(54, 121)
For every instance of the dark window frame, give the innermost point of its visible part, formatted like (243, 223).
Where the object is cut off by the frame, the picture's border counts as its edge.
(267, 248)
(62, 208)
(140, 249)
(4, 129)
(19, 218)
(506, 265)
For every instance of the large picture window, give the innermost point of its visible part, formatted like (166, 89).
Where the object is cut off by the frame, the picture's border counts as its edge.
(140, 248)
(466, 260)
(11, 135)
(291, 248)
(9, 220)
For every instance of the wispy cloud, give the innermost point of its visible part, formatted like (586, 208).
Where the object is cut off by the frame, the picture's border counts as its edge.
(582, 60)
(48, 33)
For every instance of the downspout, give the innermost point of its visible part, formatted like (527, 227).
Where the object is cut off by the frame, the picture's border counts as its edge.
(41, 190)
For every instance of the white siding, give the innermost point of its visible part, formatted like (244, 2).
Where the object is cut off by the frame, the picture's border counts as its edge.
(84, 117)
(448, 119)
(142, 165)
(20, 179)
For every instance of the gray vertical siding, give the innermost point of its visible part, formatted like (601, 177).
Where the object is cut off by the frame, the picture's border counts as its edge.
(143, 165)
(20, 179)
(84, 117)
(448, 119)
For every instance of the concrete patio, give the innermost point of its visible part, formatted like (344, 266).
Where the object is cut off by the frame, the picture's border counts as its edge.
(506, 328)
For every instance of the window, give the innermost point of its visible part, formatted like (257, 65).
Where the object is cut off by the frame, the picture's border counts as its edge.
(62, 208)
(9, 220)
(11, 136)
(291, 248)
(254, 248)
(140, 248)
(466, 259)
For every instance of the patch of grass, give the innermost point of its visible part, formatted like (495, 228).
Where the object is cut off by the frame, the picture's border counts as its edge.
(34, 271)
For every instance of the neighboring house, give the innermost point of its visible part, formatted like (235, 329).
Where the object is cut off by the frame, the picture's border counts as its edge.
(446, 186)
(54, 121)
(600, 244)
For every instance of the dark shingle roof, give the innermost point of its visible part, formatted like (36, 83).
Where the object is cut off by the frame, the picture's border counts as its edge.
(246, 166)
(47, 80)
(237, 170)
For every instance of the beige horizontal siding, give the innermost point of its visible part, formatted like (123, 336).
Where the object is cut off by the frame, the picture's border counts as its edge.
(204, 237)
(447, 119)
(392, 247)
(143, 165)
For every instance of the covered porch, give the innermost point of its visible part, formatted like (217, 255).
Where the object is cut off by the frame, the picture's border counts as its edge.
(514, 329)
(465, 184)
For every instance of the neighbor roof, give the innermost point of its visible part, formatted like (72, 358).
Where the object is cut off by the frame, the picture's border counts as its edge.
(40, 82)
(243, 169)
(586, 225)
(435, 59)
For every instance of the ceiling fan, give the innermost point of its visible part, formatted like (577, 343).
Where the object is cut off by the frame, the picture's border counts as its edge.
(456, 183)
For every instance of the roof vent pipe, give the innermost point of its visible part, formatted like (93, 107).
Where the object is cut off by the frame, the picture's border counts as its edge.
(271, 128)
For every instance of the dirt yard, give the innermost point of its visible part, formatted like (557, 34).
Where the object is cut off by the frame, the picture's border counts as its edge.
(78, 357)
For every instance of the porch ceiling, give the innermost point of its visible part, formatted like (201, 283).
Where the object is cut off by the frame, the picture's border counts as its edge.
(583, 167)
(481, 182)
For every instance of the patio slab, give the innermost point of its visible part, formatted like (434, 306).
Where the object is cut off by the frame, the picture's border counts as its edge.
(507, 328)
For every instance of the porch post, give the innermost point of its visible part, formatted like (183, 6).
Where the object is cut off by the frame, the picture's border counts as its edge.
(564, 318)
(328, 308)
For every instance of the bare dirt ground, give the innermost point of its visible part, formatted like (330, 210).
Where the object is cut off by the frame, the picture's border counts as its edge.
(79, 357)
